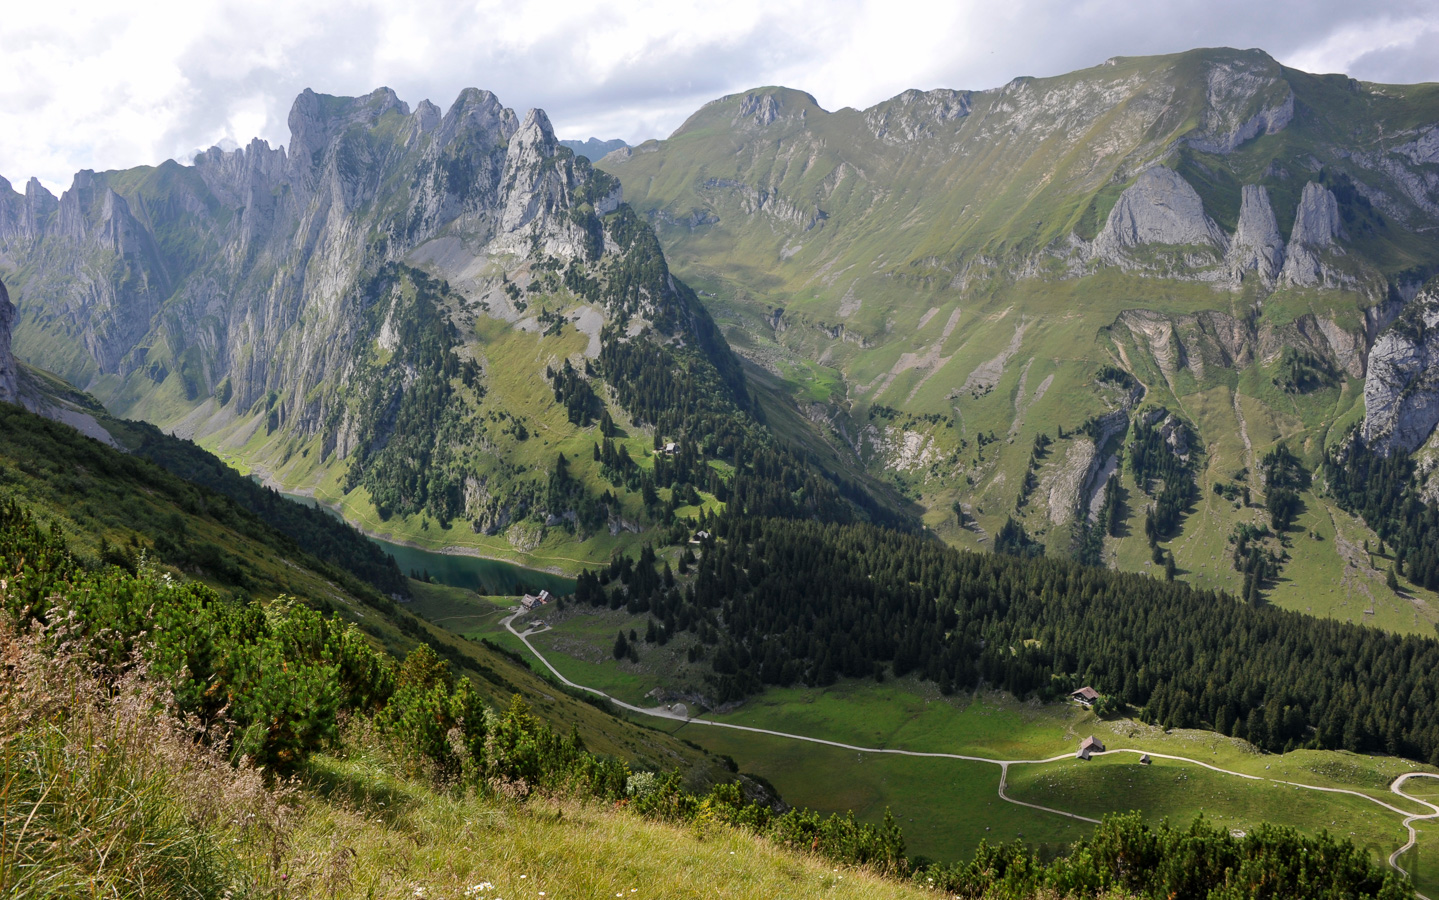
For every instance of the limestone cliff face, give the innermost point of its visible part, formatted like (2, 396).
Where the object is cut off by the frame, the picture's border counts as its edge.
(1401, 389)
(1159, 208)
(9, 382)
(916, 115)
(1257, 247)
(1245, 97)
(255, 283)
(1316, 226)
(536, 193)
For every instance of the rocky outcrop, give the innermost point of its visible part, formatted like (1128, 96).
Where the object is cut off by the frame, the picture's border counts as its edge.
(913, 115)
(1212, 340)
(755, 201)
(762, 108)
(1071, 488)
(1257, 247)
(1316, 225)
(9, 375)
(1233, 88)
(535, 193)
(1401, 388)
(1159, 208)
(1423, 150)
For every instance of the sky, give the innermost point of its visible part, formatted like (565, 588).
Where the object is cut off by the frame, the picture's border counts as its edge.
(106, 85)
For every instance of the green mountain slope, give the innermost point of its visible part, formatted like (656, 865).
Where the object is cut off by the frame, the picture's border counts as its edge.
(945, 277)
(117, 508)
(142, 715)
(448, 327)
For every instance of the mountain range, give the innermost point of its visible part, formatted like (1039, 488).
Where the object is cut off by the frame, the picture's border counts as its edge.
(960, 309)
(949, 275)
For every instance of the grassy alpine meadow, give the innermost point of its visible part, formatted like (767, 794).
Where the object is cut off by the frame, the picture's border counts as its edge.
(946, 807)
(457, 609)
(1169, 789)
(953, 804)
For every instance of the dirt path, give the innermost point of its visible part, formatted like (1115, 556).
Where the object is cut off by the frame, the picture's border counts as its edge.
(1244, 435)
(1397, 787)
(1004, 764)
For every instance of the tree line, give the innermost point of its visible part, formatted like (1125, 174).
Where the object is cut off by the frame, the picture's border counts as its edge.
(782, 602)
(1382, 491)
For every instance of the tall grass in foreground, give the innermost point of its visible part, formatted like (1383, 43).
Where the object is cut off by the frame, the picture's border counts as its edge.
(102, 795)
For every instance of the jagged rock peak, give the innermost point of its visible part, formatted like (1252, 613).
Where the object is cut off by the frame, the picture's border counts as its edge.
(426, 115)
(9, 372)
(1401, 386)
(316, 118)
(1257, 245)
(535, 132)
(25, 216)
(1316, 225)
(479, 111)
(75, 204)
(1159, 208)
(535, 191)
(913, 114)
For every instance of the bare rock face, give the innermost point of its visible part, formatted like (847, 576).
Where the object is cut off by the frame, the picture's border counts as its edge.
(913, 115)
(1257, 246)
(1233, 89)
(21, 214)
(1316, 225)
(1423, 150)
(9, 375)
(1159, 208)
(535, 193)
(1401, 389)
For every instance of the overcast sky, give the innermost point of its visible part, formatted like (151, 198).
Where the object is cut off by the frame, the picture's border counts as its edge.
(112, 85)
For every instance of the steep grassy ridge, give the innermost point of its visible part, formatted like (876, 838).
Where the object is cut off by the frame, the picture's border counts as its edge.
(928, 280)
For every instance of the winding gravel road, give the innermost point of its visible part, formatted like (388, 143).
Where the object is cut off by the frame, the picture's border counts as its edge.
(660, 712)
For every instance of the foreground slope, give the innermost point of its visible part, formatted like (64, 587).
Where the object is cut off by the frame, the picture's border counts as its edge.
(946, 277)
(117, 509)
(122, 771)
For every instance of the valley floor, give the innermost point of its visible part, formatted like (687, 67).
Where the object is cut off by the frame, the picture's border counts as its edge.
(996, 770)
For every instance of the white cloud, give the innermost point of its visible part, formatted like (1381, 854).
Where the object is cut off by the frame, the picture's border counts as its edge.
(96, 85)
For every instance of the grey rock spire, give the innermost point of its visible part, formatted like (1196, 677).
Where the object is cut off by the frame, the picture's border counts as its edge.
(1257, 245)
(1316, 225)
